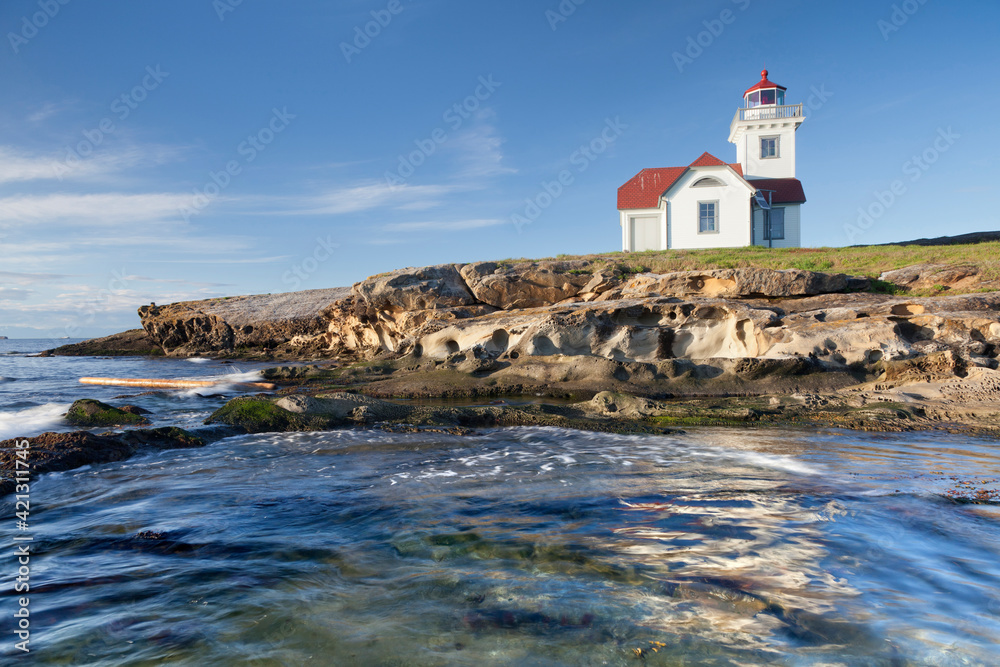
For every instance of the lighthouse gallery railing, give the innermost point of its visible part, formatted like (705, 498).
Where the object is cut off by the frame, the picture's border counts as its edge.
(770, 112)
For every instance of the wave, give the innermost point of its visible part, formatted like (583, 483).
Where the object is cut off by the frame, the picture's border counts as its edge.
(762, 460)
(31, 421)
(226, 383)
(199, 360)
(4, 380)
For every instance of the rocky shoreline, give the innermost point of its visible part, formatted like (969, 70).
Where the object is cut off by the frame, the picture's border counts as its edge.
(561, 343)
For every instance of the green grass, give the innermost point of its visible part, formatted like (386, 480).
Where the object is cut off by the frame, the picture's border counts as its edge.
(869, 261)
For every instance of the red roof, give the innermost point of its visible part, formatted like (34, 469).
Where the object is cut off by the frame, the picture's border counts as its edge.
(763, 83)
(645, 188)
(707, 160)
(786, 190)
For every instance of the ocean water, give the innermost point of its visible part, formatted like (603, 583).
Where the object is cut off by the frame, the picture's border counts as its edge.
(517, 546)
(36, 391)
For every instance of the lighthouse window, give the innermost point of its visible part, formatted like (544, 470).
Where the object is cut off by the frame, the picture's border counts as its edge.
(768, 147)
(767, 97)
(781, 97)
(753, 100)
(708, 220)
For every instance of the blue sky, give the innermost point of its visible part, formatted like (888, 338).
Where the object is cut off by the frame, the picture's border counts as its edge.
(199, 148)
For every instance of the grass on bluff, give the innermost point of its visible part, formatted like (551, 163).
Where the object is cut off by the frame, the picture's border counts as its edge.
(861, 261)
(869, 261)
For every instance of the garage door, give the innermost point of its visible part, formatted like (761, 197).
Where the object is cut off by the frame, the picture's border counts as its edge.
(646, 233)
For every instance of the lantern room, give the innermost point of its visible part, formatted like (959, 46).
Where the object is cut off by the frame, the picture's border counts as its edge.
(764, 93)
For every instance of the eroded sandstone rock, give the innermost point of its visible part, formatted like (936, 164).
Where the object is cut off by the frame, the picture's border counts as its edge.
(425, 288)
(931, 276)
(741, 283)
(266, 321)
(528, 284)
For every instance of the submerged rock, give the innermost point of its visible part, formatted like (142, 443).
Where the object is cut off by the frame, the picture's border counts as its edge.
(261, 415)
(54, 452)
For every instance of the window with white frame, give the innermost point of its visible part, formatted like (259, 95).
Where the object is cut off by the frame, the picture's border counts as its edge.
(777, 227)
(708, 217)
(768, 147)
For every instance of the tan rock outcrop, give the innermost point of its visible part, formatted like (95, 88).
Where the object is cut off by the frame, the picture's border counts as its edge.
(422, 288)
(480, 316)
(264, 321)
(741, 283)
(528, 284)
(933, 276)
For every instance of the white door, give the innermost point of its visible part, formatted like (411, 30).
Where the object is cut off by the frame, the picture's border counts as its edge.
(646, 233)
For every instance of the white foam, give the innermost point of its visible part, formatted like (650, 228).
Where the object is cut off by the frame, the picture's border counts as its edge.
(31, 421)
(226, 383)
(198, 360)
(761, 460)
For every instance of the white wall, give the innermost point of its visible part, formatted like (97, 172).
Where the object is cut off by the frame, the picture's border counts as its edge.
(733, 211)
(793, 228)
(748, 152)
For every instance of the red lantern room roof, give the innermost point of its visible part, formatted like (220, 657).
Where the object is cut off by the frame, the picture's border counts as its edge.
(763, 83)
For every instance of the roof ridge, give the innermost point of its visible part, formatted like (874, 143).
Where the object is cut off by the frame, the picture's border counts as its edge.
(706, 159)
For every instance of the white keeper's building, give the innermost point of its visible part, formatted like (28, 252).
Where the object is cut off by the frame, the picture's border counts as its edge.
(714, 204)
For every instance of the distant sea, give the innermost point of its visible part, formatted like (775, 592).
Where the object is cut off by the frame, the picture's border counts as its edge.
(36, 391)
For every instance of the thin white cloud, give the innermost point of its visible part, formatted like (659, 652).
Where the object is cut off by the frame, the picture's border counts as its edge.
(31, 278)
(443, 226)
(15, 294)
(48, 110)
(390, 241)
(171, 281)
(94, 209)
(17, 166)
(244, 260)
(68, 165)
(86, 300)
(365, 197)
(480, 153)
(419, 205)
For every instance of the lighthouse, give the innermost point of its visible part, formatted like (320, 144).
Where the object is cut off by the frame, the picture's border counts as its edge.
(712, 203)
(763, 130)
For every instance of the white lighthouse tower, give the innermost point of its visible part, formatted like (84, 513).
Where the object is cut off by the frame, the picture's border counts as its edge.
(764, 131)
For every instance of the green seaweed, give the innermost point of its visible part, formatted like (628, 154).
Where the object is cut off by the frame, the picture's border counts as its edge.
(89, 412)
